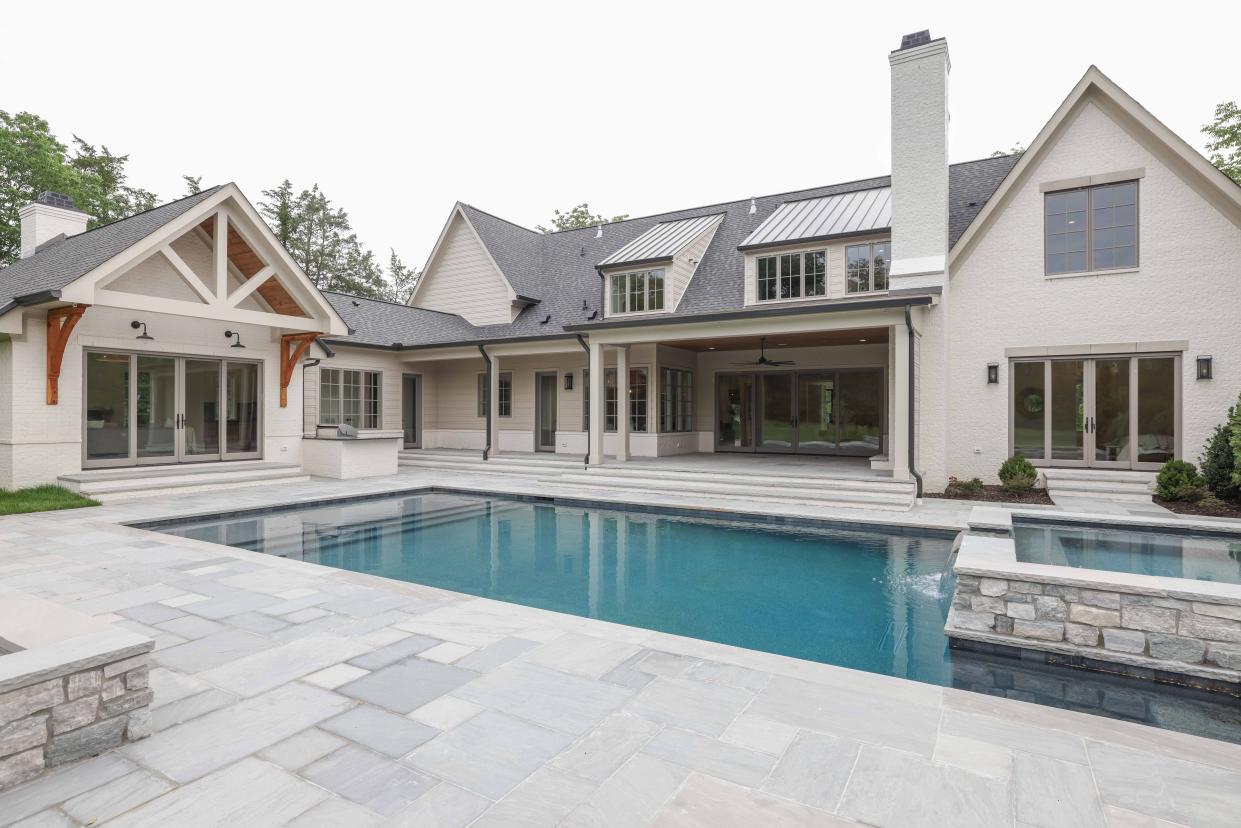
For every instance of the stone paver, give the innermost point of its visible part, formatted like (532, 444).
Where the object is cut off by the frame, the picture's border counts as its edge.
(291, 694)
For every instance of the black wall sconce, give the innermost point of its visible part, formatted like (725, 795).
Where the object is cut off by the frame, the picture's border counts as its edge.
(231, 334)
(993, 373)
(1204, 367)
(568, 381)
(136, 325)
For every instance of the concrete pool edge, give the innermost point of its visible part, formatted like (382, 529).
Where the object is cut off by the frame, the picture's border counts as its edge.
(1139, 622)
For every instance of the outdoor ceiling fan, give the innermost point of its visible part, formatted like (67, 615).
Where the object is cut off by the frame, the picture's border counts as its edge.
(762, 356)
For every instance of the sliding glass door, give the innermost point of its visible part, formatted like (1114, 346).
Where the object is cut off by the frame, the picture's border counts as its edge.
(1107, 412)
(152, 408)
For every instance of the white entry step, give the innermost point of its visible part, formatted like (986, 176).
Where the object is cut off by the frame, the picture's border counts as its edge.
(1117, 486)
(519, 465)
(148, 481)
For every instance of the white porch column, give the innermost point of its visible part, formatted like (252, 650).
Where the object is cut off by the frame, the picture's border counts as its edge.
(493, 402)
(622, 402)
(898, 440)
(597, 393)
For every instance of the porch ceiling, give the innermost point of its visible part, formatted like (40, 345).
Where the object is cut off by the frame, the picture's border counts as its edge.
(855, 336)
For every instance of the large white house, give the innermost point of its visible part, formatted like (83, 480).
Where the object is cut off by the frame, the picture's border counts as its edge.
(1078, 303)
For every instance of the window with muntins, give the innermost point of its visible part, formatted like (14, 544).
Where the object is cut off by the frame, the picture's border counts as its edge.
(1092, 228)
(506, 395)
(792, 275)
(867, 267)
(636, 292)
(350, 397)
(676, 400)
(637, 400)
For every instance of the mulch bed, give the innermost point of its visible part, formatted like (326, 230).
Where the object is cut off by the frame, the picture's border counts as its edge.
(996, 494)
(1213, 508)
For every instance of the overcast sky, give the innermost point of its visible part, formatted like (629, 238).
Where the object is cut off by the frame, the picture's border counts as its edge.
(522, 107)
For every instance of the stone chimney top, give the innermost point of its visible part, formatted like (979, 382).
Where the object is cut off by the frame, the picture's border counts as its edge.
(915, 39)
(47, 217)
(60, 200)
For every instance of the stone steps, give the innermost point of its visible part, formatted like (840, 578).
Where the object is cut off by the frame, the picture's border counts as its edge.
(1100, 484)
(108, 485)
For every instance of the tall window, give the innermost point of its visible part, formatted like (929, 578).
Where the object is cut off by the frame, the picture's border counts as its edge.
(792, 275)
(506, 395)
(676, 400)
(637, 292)
(349, 397)
(586, 399)
(1093, 228)
(637, 399)
(868, 267)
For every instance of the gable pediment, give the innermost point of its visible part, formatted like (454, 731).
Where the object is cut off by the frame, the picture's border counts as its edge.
(462, 277)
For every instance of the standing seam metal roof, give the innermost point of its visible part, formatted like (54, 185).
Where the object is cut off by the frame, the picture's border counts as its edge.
(663, 241)
(817, 218)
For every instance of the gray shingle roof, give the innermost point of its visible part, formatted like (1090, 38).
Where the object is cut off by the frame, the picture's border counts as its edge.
(383, 324)
(663, 241)
(819, 218)
(59, 264)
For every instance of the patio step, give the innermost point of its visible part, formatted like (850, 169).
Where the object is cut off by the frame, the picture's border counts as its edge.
(1100, 484)
(793, 480)
(497, 464)
(147, 481)
(839, 492)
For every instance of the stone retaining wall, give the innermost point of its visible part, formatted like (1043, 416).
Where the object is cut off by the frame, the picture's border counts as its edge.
(1170, 634)
(51, 716)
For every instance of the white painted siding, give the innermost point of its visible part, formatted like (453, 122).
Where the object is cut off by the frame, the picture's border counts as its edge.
(463, 280)
(685, 263)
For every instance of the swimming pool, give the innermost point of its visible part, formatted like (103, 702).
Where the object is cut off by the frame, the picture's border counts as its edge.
(867, 598)
(1142, 550)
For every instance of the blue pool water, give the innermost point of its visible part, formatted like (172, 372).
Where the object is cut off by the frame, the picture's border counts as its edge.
(1203, 557)
(870, 599)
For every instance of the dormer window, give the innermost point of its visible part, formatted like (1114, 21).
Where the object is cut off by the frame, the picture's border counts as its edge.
(868, 267)
(792, 275)
(636, 292)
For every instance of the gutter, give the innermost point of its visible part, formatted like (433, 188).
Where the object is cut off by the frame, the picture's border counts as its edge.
(30, 299)
(586, 460)
(909, 325)
(491, 407)
(400, 346)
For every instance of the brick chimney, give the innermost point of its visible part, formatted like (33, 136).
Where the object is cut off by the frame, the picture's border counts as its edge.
(920, 70)
(49, 216)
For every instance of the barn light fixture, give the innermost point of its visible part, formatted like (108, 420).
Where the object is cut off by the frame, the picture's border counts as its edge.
(231, 334)
(136, 325)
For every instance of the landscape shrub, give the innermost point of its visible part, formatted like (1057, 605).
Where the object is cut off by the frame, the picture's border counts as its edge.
(1219, 462)
(1179, 480)
(1234, 423)
(1018, 473)
(971, 486)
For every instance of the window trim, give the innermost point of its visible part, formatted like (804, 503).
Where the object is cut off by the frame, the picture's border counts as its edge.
(870, 277)
(777, 257)
(648, 292)
(363, 386)
(1089, 189)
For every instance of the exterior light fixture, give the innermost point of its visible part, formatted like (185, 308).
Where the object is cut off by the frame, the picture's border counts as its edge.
(136, 325)
(993, 373)
(231, 334)
(1204, 367)
(568, 381)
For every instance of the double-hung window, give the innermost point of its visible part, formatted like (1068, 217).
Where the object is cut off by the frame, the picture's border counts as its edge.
(506, 395)
(1092, 228)
(349, 397)
(792, 275)
(637, 400)
(868, 267)
(636, 292)
(676, 400)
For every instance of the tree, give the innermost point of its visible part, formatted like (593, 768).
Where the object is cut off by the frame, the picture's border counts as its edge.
(1017, 149)
(1224, 139)
(102, 191)
(401, 279)
(577, 218)
(278, 211)
(193, 184)
(32, 161)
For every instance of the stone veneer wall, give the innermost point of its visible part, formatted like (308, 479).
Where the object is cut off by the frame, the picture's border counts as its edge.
(82, 713)
(1193, 637)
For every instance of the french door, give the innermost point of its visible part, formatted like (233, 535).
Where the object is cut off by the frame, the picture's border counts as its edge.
(1110, 412)
(411, 405)
(545, 383)
(804, 412)
(150, 408)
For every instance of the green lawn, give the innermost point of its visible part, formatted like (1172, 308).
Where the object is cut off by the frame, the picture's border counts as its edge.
(41, 499)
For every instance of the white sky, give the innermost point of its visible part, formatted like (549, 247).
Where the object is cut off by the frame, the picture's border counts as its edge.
(397, 110)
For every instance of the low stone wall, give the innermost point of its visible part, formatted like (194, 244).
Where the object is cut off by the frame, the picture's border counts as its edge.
(70, 700)
(1190, 637)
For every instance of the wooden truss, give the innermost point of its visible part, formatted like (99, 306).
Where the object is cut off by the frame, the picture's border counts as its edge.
(60, 325)
(292, 348)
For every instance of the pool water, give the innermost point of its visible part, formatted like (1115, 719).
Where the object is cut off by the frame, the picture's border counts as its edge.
(871, 599)
(1142, 551)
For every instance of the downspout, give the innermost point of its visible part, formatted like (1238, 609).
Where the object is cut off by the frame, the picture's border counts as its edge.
(482, 349)
(586, 460)
(909, 324)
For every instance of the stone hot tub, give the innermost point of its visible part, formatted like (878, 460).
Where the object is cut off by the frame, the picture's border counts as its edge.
(1154, 598)
(71, 686)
